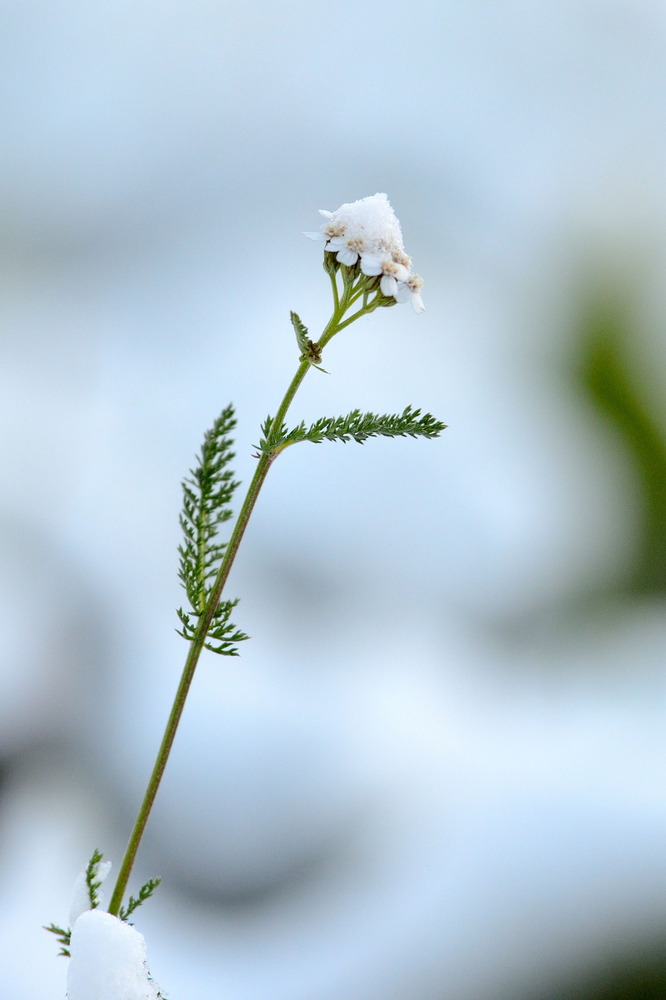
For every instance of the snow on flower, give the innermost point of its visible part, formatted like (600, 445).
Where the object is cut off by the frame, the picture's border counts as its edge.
(108, 961)
(367, 233)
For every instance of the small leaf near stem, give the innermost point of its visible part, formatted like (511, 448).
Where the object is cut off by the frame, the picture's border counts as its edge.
(93, 881)
(64, 936)
(145, 892)
(310, 351)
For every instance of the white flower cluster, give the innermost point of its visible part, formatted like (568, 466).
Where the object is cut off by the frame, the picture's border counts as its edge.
(368, 230)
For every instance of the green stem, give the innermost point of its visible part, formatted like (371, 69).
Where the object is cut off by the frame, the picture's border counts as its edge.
(349, 295)
(191, 662)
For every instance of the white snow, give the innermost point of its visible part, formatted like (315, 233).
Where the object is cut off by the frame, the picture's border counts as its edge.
(108, 960)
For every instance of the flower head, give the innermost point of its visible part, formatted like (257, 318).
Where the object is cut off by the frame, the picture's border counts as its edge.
(367, 233)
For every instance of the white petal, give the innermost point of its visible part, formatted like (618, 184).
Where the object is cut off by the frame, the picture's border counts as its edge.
(371, 264)
(347, 256)
(417, 302)
(315, 236)
(402, 292)
(388, 285)
(327, 215)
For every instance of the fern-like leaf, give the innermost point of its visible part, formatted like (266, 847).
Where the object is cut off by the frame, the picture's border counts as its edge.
(93, 881)
(221, 630)
(145, 892)
(64, 938)
(355, 426)
(207, 493)
(271, 437)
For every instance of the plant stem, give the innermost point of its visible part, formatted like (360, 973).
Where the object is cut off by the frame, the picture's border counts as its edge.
(191, 662)
(264, 463)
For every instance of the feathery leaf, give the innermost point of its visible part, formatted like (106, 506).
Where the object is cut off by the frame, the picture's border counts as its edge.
(93, 881)
(145, 892)
(355, 426)
(207, 493)
(64, 938)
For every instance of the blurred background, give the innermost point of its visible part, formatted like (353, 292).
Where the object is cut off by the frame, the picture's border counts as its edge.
(438, 768)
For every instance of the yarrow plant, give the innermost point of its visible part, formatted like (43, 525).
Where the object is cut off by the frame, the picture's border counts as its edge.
(368, 268)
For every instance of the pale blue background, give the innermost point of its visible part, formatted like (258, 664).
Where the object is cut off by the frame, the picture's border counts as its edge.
(426, 777)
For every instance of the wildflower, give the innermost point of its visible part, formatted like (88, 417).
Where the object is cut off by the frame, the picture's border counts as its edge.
(367, 234)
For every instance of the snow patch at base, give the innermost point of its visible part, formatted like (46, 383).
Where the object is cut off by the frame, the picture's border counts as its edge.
(108, 961)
